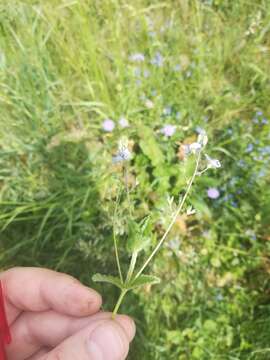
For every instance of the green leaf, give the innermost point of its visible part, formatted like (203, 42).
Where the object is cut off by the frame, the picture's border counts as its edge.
(108, 279)
(139, 235)
(149, 146)
(143, 280)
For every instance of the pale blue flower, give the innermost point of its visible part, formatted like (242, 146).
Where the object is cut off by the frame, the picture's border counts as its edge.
(123, 122)
(152, 34)
(167, 110)
(195, 147)
(177, 67)
(108, 125)
(146, 73)
(157, 60)
(168, 130)
(137, 57)
(178, 115)
(137, 71)
(123, 153)
(249, 148)
(219, 297)
(213, 193)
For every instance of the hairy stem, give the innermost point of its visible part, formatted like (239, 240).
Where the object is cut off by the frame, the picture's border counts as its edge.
(115, 239)
(173, 219)
(125, 170)
(119, 302)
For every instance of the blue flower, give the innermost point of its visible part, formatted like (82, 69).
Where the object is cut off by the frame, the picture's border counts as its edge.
(157, 60)
(249, 148)
(177, 67)
(168, 130)
(213, 193)
(178, 115)
(219, 297)
(137, 71)
(108, 125)
(241, 163)
(123, 153)
(137, 57)
(152, 34)
(167, 110)
(195, 147)
(123, 122)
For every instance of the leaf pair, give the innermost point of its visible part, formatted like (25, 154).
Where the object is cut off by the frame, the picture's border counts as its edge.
(132, 284)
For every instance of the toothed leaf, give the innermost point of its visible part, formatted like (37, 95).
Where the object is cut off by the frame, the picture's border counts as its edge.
(144, 280)
(108, 279)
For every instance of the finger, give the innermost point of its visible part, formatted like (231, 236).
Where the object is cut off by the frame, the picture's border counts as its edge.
(36, 289)
(33, 330)
(108, 340)
(38, 354)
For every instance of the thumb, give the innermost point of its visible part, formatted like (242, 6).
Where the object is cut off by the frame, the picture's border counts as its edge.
(102, 340)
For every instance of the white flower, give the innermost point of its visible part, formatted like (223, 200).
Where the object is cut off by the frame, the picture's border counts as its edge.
(202, 138)
(195, 147)
(149, 104)
(212, 163)
(123, 153)
(137, 57)
(123, 122)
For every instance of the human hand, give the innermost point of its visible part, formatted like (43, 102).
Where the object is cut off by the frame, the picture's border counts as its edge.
(52, 316)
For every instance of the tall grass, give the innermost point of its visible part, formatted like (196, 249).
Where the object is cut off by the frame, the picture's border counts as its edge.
(64, 68)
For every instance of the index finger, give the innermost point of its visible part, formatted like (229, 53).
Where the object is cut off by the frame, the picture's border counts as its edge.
(37, 289)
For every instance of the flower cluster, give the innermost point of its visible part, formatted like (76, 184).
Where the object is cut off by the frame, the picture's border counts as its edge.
(123, 153)
(108, 125)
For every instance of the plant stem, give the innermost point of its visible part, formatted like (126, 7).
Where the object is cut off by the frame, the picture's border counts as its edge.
(117, 257)
(125, 169)
(173, 219)
(119, 302)
(115, 240)
(132, 266)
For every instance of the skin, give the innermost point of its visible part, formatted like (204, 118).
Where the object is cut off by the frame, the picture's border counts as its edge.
(52, 316)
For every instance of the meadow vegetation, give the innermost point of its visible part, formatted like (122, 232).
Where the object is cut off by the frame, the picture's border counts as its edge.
(75, 76)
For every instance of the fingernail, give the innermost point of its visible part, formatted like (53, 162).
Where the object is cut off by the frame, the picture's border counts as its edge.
(108, 341)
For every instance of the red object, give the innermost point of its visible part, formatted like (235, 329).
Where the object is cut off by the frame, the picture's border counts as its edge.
(5, 337)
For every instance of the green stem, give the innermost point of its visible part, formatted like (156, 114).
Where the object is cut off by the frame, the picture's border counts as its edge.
(173, 219)
(132, 266)
(117, 257)
(119, 302)
(115, 240)
(127, 188)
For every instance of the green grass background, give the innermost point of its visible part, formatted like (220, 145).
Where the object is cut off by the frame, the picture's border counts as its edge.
(65, 67)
